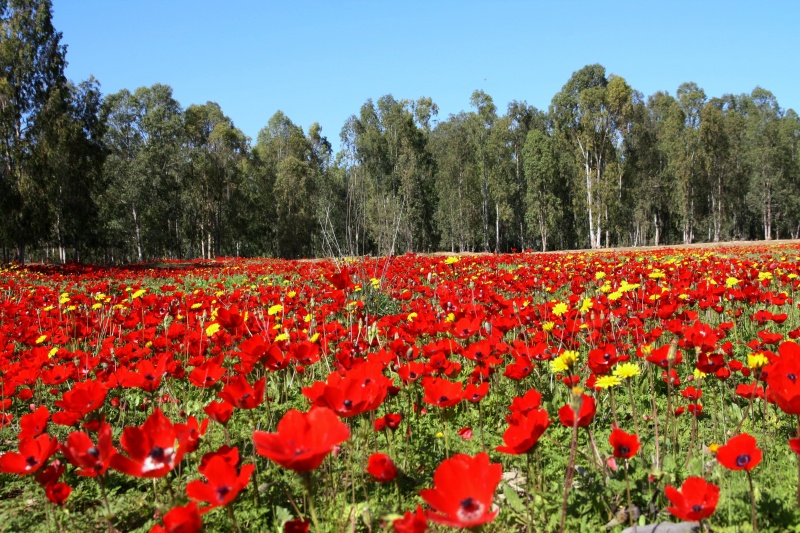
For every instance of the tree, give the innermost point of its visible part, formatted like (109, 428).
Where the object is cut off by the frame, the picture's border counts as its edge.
(541, 171)
(32, 61)
(590, 112)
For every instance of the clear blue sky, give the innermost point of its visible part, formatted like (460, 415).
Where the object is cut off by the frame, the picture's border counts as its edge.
(320, 61)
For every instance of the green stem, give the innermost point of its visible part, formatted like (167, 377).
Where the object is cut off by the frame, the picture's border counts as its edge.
(752, 501)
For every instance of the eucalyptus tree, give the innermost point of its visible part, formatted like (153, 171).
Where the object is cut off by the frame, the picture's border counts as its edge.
(544, 209)
(286, 158)
(458, 185)
(686, 156)
(590, 113)
(143, 169)
(32, 62)
(214, 150)
(69, 158)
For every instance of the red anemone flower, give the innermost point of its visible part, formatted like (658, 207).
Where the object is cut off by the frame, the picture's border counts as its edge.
(586, 412)
(522, 435)
(223, 480)
(697, 499)
(625, 445)
(33, 424)
(412, 522)
(239, 393)
(381, 467)
(184, 519)
(220, 411)
(463, 491)
(85, 397)
(153, 449)
(81, 452)
(33, 453)
(740, 453)
(303, 439)
(441, 392)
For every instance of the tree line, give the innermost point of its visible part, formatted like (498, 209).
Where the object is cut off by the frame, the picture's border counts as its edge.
(135, 176)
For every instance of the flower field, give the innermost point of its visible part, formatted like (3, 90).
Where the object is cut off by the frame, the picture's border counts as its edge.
(524, 392)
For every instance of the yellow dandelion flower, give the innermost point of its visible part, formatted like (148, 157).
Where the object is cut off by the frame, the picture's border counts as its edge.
(138, 294)
(626, 370)
(213, 328)
(731, 282)
(764, 276)
(599, 274)
(41, 339)
(605, 382)
(281, 337)
(713, 447)
(451, 260)
(757, 360)
(560, 308)
(548, 326)
(411, 316)
(275, 309)
(699, 374)
(586, 305)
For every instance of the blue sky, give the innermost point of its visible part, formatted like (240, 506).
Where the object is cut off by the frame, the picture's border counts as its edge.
(320, 61)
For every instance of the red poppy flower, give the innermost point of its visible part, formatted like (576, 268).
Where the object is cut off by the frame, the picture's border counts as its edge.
(739, 453)
(153, 449)
(463, 491)
(223, 480)
(297, 525)
(783, 385)
(184, 519)
(57, 492)
(475, 393)
(303, 439)
(697, 499)
(239, 393)
(33, 453)
(586, 412)
(381, 467)
(751, 391)
(220, 411)
(602, 358)
(81, 452)
(441, 392)
(33, 424)
(361, 390)
(691, 393)
(82, 399)
(523, 435)
(411, 522)
(625, 445)
(794, 445)
(520, 406)
(207, 373)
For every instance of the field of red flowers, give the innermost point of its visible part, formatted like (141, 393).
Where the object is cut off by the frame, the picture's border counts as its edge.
(525, 392)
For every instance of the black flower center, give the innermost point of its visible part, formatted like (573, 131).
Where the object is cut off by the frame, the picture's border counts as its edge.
(157, 453)
(443, 399)
(696, 508)
(742, 460)
(791, 377)
(348, 404)
(94, 452)
(32, 461)
(222, 492)
(624, 450)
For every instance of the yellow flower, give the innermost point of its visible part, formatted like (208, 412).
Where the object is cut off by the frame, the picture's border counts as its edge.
(626, 370)
(699, 374)
(713, 447)
(757, 360)
(138, 294)
(731, 281)
(764, 276)
(197, 305)
(41, 339)
(275, 309)
(586, 305)
(281, 337)
(560, 308)
(451, 260)
(213, 328)
(599, 274)
(451, 317)
(314, 337)
(656, 274)
(411, 316)
(564, 362)
(548, 326)
(605, 382)
(616, 295)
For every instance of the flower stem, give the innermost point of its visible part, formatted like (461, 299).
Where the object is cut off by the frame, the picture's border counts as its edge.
(752, 501)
